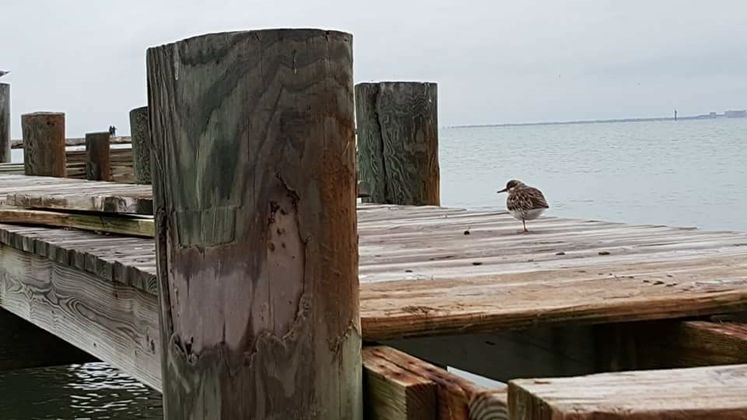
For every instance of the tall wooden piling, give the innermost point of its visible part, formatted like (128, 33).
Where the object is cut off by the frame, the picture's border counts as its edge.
(98, 160)
(141, 144)
(44, 143)
(398, 142)
(4, 123)
(254, 194)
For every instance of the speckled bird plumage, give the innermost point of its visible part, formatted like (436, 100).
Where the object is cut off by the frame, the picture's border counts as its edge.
(524, 202)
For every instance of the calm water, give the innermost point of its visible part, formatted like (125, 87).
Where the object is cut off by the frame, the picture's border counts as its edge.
(685, 173)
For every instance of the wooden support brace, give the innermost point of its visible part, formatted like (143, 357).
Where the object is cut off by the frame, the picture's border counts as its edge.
(400, 386)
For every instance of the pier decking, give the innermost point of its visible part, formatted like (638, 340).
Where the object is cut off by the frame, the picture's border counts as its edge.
(424, 271)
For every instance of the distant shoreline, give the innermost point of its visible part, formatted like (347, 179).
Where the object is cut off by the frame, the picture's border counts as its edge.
(616, 120)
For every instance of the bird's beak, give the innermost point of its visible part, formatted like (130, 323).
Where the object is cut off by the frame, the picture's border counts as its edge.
(501, 191)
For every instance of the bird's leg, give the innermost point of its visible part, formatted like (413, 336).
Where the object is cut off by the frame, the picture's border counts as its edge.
(525, 225)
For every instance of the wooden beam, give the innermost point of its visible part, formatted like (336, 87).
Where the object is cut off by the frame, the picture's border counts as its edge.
(400, 386)
(44, 143)
(98, 162)
(398, 142)
(112, 321)
(256, 224)
(671, 344)
(696, 393)
(141, 145)
(24, 345)
(123, 225)
(4, 123)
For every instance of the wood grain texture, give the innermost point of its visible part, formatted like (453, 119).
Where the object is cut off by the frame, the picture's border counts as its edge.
(4, 122)
(132, 226)
(44, 143)
(255, 224)
(24, 345)
(392, 392)
(400, 386)
(98, 162)
(397, 125)
(694, 393)
(114, 322)
(141, 145)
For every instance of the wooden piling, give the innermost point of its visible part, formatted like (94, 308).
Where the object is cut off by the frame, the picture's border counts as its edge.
(44, 143)
(141, 144)
(397, 126)
(254, 194)
(4, 123)
(98, 161)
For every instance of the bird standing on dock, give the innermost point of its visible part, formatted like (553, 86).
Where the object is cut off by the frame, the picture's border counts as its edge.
(524, 202)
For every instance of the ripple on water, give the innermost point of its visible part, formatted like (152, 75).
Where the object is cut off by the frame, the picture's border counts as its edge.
(89, 391)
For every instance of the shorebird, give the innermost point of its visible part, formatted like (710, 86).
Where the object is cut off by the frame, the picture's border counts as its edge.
(3, 73)
(524, 202)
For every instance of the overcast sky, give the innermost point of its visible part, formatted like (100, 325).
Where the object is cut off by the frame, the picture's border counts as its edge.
(495, 61)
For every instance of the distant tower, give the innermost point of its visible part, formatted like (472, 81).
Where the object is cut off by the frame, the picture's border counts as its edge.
(675, 115)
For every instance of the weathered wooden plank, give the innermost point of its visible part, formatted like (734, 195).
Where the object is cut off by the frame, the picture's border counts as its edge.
(397, 126)
(131, 226)
(141, 145)
(637, 291)
(114, 322)
(254, 164)
(44, 137)
(4, 122)
(24, 345)
(694, 393)
(399, 386)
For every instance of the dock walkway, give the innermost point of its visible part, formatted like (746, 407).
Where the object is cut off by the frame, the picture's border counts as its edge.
(424, 271)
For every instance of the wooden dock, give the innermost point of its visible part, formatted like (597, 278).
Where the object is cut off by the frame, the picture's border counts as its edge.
(434, 271)
(424, 272)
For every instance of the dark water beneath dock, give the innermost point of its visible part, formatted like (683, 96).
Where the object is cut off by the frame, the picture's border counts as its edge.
(685, 173)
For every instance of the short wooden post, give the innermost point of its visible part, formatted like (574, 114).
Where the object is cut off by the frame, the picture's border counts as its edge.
(98, 160)
(4, 123)
(398, 142)
(141, 145)
(254, 194)
(44, 143)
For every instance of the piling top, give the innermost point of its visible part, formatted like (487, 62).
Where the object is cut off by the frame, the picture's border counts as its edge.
(397, 82)
(260, 33)
(42, 113)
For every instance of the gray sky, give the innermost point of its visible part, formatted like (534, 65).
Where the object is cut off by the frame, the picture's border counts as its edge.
(495, 61)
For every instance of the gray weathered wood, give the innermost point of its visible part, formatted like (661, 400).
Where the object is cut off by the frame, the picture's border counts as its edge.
(398, 142)
(141, 144)
(4, 123)
(254, 195)
(24, 345)
(98, 162)
(44, 143)
(112, 321)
